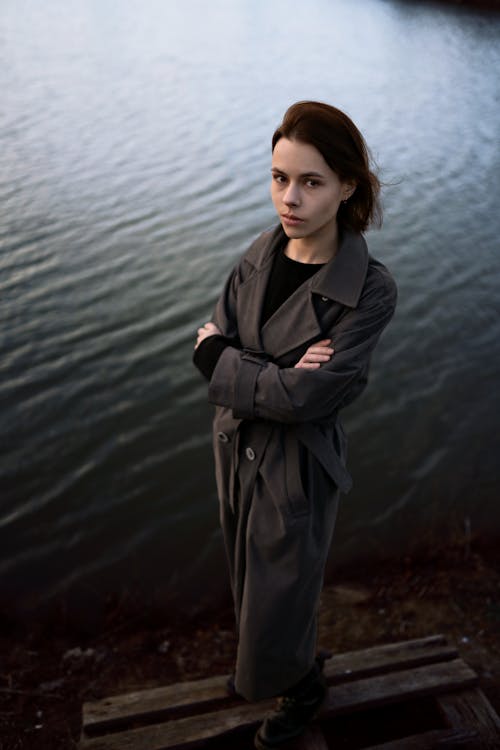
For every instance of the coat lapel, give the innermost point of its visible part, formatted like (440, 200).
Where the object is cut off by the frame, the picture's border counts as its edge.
(252, 291)
(295, 322)
(343, 278)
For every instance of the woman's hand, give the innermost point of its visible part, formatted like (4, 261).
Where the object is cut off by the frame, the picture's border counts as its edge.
(209, 329)
(316, 354)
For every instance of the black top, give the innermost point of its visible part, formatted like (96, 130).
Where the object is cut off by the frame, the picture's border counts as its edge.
(286, 276)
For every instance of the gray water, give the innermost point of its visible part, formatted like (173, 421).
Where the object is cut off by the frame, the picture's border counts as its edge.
(134, 169)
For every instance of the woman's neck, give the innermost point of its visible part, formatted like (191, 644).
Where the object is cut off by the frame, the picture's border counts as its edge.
(313, 249)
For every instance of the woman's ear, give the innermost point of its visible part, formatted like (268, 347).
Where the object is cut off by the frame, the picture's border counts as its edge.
(349, 189)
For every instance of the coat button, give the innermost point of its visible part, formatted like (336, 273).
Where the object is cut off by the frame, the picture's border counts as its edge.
(324, 299)
(222, 437)
(250, 454)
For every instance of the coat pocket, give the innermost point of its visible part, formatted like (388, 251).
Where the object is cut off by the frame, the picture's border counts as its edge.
(317, 483)
(308, 485)
(296, 476)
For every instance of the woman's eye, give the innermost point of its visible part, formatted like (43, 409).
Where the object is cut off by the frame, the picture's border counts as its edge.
(279, 178)
(312, 183)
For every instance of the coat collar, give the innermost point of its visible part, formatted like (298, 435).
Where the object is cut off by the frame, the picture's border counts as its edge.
(295, 322)
(341, 279)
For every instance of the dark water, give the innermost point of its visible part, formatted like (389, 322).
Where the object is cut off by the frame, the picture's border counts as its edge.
(134, 163)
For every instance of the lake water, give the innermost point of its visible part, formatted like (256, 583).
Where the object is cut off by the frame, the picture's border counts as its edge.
(134, 170)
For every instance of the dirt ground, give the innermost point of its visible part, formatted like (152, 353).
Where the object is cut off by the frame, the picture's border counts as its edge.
(48, 671)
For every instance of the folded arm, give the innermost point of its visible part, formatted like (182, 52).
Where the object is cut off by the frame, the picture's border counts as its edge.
(257, 389)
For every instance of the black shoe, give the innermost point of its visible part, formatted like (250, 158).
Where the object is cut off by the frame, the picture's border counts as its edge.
(293, 712)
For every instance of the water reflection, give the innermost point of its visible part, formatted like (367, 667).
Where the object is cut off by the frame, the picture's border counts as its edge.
(135, 161)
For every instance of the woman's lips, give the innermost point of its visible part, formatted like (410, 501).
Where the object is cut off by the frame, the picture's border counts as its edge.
(291, 220)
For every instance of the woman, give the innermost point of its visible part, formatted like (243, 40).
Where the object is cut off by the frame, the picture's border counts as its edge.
(288, 346)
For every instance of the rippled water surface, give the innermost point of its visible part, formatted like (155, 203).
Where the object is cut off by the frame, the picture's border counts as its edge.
(134, 163)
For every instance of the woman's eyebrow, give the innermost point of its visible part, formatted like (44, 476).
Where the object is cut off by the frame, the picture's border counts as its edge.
(305, 174)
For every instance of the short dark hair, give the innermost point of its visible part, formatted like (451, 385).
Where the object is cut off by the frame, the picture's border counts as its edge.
(344, 149)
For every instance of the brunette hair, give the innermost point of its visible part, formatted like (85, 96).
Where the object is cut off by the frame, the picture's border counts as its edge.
(343, 148)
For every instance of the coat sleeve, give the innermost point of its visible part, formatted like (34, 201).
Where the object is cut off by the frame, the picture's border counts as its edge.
(258, 389)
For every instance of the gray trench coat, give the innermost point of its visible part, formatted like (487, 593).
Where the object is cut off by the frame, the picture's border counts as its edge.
(280, 449)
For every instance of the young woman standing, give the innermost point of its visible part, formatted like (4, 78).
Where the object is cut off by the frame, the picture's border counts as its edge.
(288, 346)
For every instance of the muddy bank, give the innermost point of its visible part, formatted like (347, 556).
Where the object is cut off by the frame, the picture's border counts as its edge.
(48, 670)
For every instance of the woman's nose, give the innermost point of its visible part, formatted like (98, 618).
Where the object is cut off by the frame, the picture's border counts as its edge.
(291, 196)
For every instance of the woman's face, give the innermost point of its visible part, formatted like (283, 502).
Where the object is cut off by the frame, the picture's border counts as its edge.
(305, 191)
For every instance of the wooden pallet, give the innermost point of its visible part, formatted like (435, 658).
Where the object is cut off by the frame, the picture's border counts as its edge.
(364, 686)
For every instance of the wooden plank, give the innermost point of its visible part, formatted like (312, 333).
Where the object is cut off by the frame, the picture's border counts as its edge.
(388, 657)
(312, 739)
(366, 693)
(155, 704)
(471, 708)
(436, 739)
(158, 704)
(182, 733)
(379, 690)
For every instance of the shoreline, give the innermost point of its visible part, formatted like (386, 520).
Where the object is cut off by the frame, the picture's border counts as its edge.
(48, 671)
